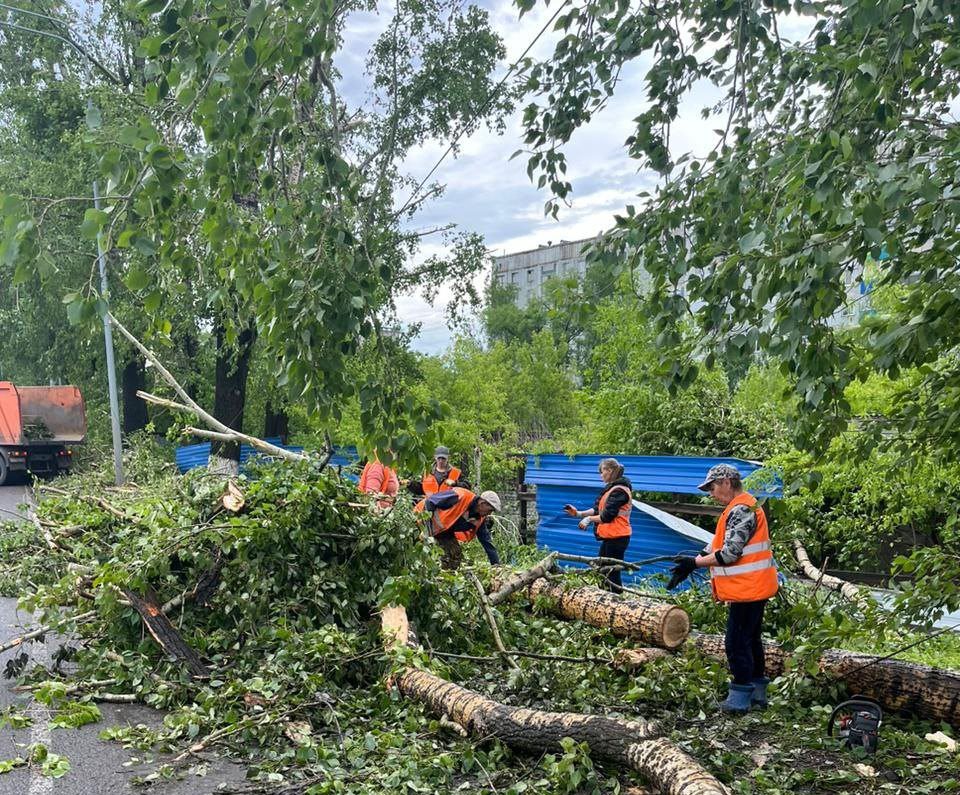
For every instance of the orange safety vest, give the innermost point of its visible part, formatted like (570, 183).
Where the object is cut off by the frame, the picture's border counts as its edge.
(754, 576)
(389, 484)
(443, 519)
(620, 526)
(430, 485)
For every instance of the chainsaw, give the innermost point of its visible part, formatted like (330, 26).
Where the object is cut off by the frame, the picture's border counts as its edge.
(857, 722)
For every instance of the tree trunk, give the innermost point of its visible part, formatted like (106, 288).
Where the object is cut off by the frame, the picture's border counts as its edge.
(634, 744)
(230, 392)
(930, 693)
(655, 623)
(276, 422)
(134, 379)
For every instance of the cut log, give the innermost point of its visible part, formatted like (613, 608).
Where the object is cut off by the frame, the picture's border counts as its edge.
(846, 589)
(898, 686)
(632, 659)
(634, 744)
(164, 633)
(522, 579)
(648, 620)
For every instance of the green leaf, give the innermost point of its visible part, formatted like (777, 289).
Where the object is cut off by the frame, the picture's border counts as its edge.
(93, 221)
(751, 241)
(152, 301)
(250, 57)
(872, 215)
(137, 278)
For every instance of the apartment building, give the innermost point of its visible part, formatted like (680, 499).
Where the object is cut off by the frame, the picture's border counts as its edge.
(529, 270)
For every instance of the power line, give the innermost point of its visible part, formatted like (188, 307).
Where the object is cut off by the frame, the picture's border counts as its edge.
(483, 108)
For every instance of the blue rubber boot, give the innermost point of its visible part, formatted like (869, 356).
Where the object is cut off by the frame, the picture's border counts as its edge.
(759, 698)
(737, 701)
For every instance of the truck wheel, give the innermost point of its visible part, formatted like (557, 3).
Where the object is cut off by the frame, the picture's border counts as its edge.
(4, 470)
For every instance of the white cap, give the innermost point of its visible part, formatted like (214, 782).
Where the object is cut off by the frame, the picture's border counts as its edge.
(492, 497)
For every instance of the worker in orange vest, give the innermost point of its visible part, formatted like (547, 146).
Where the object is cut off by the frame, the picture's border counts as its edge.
(456, 517)
(743, 574)
(377, 478)
(610, 517)
(442, 476)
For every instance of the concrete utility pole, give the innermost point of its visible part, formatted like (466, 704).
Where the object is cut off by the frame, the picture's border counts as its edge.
(111, 364)
(101, 258)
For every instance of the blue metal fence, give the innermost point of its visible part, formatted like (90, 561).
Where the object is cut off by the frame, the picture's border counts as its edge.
(560, 480)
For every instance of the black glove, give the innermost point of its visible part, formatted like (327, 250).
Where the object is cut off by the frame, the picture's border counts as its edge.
(683, 569)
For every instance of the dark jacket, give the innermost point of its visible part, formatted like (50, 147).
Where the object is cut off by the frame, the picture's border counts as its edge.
(447, 499)
(615, 502)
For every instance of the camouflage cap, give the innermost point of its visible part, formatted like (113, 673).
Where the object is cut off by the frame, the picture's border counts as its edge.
(441, 451)
(719, 472)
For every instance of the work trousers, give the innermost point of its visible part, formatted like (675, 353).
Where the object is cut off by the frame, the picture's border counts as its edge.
(742, 642)
(614, 548)
(453, 555)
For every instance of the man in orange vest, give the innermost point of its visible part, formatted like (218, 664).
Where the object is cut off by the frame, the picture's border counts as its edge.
(743, 574)
(458, 516)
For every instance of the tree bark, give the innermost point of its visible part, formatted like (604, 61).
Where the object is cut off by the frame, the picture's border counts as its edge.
(522, 579)
(848, 590)
(230, 387)
(898, 686)
(134, 379)
(634, 744)
(276, 422)
(653, 622)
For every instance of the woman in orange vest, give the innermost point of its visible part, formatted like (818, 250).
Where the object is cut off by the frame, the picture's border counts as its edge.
(442, 476)
(377, 478)
(458, 516)
(743, 574)
(610, 516)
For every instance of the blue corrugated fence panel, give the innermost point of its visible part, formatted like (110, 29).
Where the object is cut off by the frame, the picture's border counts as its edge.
(559, 532)
(658, 473)
(191, 456)
(561, 480)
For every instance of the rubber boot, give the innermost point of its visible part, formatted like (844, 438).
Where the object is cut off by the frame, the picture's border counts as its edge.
(737, 701)
(759, 698)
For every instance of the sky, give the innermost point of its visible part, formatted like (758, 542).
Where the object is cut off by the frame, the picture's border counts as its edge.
(487, 193)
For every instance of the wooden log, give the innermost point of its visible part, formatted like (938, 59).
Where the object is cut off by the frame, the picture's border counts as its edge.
(634, 744)
(846, 589)
(898, 686)
(522, 579)
(632, 659)
(648, 620)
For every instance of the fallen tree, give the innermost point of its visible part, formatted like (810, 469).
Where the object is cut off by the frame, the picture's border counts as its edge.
(846, 589)
(899, 686)
(649, 620)
(634, 744)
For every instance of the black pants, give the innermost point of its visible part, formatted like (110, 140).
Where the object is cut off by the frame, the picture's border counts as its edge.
(742, 643)
(614, 548)
(486, 541)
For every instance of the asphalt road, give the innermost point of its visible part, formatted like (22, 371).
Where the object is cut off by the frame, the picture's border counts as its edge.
(96, 766)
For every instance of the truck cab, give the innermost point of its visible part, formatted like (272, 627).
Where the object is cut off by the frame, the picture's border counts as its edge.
(38, 427)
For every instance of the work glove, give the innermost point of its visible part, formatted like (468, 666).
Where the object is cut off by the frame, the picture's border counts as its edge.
(585, 523)
(684, 568)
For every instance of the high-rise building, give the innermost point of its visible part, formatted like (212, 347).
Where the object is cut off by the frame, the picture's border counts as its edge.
(529, 270)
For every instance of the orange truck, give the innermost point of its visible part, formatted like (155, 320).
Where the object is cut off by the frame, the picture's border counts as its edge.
(37, 426)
